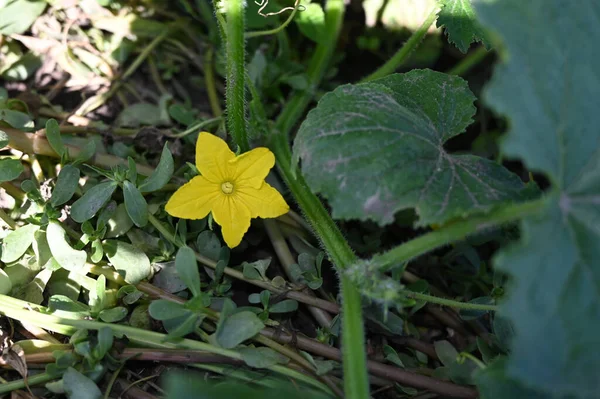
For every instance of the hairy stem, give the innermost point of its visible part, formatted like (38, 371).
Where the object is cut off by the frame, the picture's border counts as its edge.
(449, 302)
(402, 55)
(470, 61)
(234, 96)
(454, 232)
(356, 382)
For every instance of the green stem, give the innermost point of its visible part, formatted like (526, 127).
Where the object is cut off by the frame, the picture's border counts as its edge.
(21, 310)
(471, 60)
(449, 302)
(196, 127)
(32, 380)
(7, 219)
(402, 55)
(455, 232)
(234, 96)
(334, 15)
(356, 383)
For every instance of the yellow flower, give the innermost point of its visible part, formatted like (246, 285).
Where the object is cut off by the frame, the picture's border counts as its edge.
(232, 187)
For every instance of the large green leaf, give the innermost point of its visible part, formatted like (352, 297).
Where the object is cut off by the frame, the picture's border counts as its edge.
(547, 87)
(374, 149)
(460, 23)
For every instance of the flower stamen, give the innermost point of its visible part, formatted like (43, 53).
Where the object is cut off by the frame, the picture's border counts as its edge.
(227, 187)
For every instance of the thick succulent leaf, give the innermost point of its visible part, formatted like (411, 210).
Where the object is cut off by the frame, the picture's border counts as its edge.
(374, 149)
(546, 88)
(460, 23)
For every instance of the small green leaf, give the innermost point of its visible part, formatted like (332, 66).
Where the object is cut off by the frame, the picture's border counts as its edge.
(262, 357)
(3, 139)
(119, 223)
(446, 352)
(17, 119)
(181, 114)
(54, 138)
(256, 270)
(105, 342)
(187, 269)
(237, 328)
(209, 245)
(376, 148)
(17, 242)
(140, 114)
(460, 22)
(10, 169)
(131, 170)
(135, 204)
(88, 151)
(92, 201)
(5, 284)
(129, 261)
(311, 22)
(113, 315)
(67, 257)
(285, 306)
(34, 291)
(187, 325)
(66, 184)
(161, 175)
(78, 386)
(161, 309)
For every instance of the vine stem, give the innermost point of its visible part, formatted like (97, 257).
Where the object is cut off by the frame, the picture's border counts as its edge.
(402, 55)
(471, 60)
(456, 231)
(449, 302)
(21, 310)
(234, 94)
(356, 383)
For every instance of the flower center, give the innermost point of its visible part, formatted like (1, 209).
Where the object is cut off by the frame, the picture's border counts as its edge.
(227, 187)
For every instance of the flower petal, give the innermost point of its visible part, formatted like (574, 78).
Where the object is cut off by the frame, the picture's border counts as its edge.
(265, 202)
(194, 199)
(253, 167)
(212, 158)
(233, 217)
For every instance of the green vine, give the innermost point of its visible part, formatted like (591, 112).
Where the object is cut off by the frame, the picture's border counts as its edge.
(235, 100)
